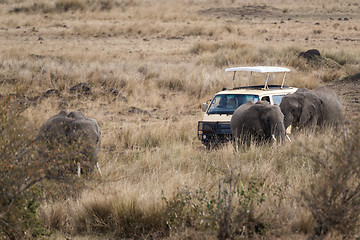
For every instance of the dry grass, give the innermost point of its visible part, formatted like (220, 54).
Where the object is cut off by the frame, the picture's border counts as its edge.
(165, 58)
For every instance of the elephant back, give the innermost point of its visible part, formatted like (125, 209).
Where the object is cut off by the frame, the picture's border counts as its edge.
(332, 107)
(55, 128)
(70, 137)
(76, 115)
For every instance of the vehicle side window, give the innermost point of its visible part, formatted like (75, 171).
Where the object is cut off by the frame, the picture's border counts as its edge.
(277, 99)
(228, 103)
(266, 98)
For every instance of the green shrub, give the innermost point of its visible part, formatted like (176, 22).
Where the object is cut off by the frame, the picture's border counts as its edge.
(25, 174)
(237, 204)
(19, 173)
(231, 212)
(190, 208)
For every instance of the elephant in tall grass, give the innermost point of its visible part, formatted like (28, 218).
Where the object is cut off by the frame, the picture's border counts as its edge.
(70, 139)
(259, 122)
(310, 108)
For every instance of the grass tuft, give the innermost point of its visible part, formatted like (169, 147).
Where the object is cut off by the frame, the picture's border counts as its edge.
(69, 5)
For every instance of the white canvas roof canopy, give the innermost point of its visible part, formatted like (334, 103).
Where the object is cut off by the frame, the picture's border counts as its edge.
(261, 69)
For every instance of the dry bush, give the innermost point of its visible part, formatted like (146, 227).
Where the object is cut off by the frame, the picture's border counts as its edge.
(69, 5)
(120, 215)
(61, 6)
(54, 215)
(330, 75)
(334, 194)
(341, 57)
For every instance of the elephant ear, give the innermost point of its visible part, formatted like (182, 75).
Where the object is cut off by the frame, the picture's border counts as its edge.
(311, 109)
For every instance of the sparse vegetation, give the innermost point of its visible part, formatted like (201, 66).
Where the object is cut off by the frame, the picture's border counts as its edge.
(334, 194)
(142, 70)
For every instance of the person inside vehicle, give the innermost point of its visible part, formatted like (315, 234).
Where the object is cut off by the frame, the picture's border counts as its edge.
(223, 102)
(232, 103)
(266, 98)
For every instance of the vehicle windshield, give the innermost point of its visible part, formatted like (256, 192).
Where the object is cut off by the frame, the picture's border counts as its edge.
(228, 103)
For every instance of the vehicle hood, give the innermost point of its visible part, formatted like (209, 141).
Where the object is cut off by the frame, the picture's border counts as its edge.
(217, 117)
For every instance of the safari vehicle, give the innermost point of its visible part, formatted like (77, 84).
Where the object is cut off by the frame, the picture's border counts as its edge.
(215, 126)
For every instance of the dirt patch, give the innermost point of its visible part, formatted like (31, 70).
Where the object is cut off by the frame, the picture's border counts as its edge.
(245, 11)
(349, 92)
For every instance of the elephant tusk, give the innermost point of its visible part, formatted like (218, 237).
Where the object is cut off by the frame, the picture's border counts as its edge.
(273, 136)
(288, 129)
(287, 136)
(98, 167)
(78, 170)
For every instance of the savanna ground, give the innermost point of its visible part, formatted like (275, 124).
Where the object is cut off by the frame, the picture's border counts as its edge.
(142, 69)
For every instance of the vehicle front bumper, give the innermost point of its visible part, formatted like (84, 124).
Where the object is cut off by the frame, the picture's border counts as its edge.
(214, 132)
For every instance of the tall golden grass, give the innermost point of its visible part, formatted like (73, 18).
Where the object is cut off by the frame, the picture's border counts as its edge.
(165, 58)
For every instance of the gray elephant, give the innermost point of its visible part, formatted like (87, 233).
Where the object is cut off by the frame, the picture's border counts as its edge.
(259, 122)
(71, 139)
(309, 108)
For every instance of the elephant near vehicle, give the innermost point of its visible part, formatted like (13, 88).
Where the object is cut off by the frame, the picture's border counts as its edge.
(310, 108)
(70, 141)
(259, 122)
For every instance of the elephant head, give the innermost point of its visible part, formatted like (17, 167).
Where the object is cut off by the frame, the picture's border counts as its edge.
(78, 138)
(302, 108)
(237, 118)
(272, 119)
(260, 121)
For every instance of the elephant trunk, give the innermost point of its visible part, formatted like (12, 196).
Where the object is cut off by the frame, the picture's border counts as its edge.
(278, 132)
(282, 132)
(287, 120)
